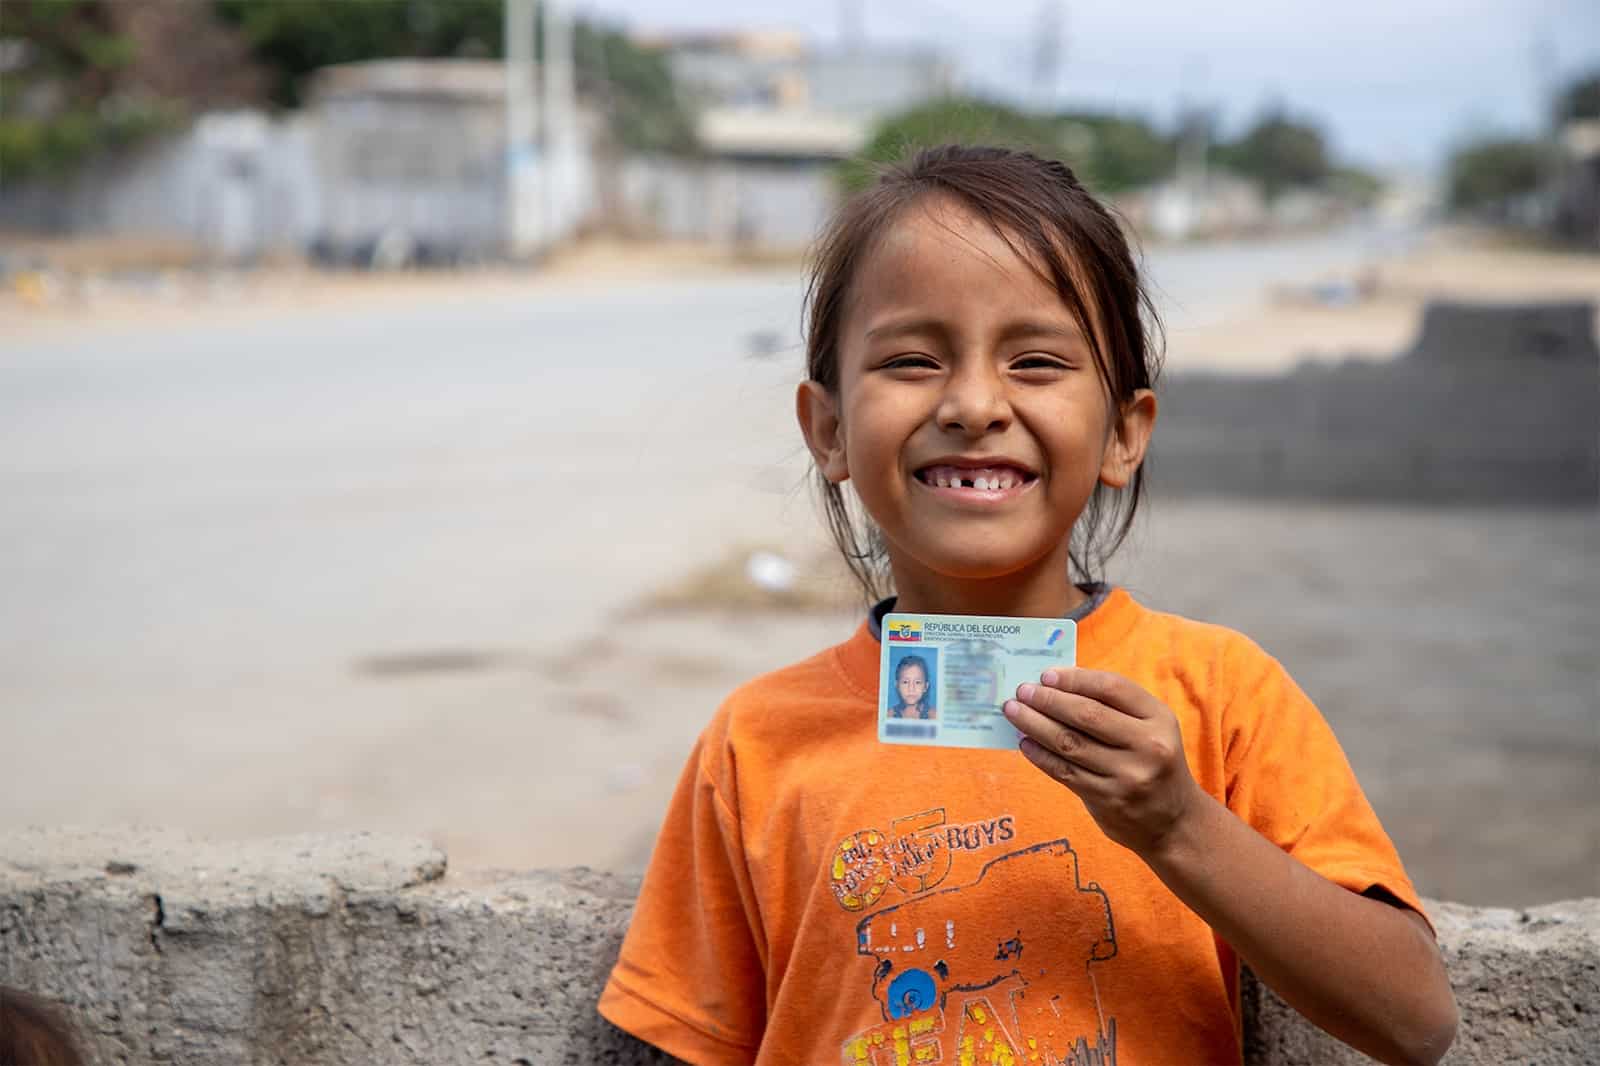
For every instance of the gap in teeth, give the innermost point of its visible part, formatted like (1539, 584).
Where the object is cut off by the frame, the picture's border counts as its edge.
(987, 481)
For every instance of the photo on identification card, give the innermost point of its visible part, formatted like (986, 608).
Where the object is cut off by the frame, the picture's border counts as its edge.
(944, 677)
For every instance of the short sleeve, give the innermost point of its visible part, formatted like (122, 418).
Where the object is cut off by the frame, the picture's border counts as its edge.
(1288, 778)
(690, 975)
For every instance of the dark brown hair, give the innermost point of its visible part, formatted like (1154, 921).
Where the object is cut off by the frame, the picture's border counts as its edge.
(1042, 211)
(34, 1032)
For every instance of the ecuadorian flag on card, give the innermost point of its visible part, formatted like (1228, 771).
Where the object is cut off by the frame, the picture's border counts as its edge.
(905, 629)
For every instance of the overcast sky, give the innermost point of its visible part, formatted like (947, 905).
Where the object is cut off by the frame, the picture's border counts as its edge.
(1394, 82)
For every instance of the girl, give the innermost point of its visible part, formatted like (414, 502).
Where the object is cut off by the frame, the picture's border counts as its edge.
(911, 685)
(979, 372)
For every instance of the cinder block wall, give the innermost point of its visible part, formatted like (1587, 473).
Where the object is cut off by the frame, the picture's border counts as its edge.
(356, 949)
(1494, 404)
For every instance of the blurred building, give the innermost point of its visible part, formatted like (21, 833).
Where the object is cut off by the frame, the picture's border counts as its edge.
(764, 178)
(409, 161)
(391, 162)
(1184, 207)
(1221, 204)
(774, 117)
(780, 71)
(1576, 215)
(233, 183)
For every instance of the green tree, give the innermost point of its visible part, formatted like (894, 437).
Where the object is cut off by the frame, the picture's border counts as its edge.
(1354, 185)
(1115, 153)
(1580, 100)
(1485, 174)
(294, 39)
(1110, 153)
(636, 87)
(69, 95)
(1278, 152)
(953, 119)
(74, 45)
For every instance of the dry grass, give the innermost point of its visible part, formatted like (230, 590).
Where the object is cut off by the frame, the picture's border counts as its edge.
(80, 254)
(822, 585)
(612, 258)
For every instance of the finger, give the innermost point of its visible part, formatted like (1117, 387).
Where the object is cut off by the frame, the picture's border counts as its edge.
(1102, 686)
(1060, 740)
(1086, 715)
(1056, 768)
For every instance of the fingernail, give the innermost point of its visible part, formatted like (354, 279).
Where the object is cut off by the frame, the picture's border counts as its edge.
(1011, 708)
(1024, 693)
(1050, 677)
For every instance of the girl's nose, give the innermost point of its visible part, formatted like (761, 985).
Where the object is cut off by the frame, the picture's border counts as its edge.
(974, 403)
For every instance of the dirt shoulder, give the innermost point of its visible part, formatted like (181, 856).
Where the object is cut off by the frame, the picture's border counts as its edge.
(1377, 309)
(116, 284)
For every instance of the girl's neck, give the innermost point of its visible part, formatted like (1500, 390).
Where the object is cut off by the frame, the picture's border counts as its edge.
(1039, 592)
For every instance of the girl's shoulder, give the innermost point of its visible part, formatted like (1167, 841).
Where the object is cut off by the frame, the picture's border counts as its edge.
(784, 722)
(1124, 626)
(834, 682)
(1164, 648)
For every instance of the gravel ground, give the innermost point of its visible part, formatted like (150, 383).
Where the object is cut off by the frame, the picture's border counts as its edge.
(1454, 653)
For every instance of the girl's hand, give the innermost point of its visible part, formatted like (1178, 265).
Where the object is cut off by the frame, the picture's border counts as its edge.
(1118, 748)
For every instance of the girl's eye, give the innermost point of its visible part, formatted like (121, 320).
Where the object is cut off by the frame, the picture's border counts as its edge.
(1038, 361)
(910, 361)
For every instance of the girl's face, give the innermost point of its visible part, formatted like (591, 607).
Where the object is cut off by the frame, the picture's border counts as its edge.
(912, 683)
(970, 415)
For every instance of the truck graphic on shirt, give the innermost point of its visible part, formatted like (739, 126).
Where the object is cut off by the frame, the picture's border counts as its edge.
(967, 960)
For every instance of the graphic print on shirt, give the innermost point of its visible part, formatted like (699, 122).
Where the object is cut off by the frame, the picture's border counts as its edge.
(913, 856)
(958, 973)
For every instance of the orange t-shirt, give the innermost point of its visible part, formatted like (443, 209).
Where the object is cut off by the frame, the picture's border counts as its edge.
(816, 896)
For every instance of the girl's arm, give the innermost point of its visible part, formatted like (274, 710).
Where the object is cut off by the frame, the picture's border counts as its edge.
(1362, 969)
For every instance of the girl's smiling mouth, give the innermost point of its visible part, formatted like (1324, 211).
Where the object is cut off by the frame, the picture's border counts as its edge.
(976, 480)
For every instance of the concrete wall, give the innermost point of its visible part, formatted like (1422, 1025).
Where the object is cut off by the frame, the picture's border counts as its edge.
(771, 205)
(340, 177)
(1494, 404)
(356, 949)
(432, 167)
(236, 183)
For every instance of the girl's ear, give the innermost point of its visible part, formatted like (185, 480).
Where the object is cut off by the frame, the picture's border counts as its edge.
(1130, 437)
(818, 411)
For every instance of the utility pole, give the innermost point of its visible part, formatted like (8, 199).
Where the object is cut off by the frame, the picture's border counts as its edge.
(1194, 124)
(523, 166)
(1546, 74)
(850, 31)
(559, 123)
(1047, 55)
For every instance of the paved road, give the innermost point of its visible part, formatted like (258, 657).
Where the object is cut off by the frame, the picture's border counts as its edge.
(208, 528)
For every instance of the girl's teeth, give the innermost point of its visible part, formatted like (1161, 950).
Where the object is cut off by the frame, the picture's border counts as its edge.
(981, 480)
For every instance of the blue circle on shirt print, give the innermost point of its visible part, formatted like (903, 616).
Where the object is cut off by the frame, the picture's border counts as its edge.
(912, 991)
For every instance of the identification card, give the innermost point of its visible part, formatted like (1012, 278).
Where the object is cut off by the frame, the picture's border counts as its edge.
(943, 677)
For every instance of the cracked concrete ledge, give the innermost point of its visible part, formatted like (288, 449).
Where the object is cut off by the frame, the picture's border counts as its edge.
(356, 949)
